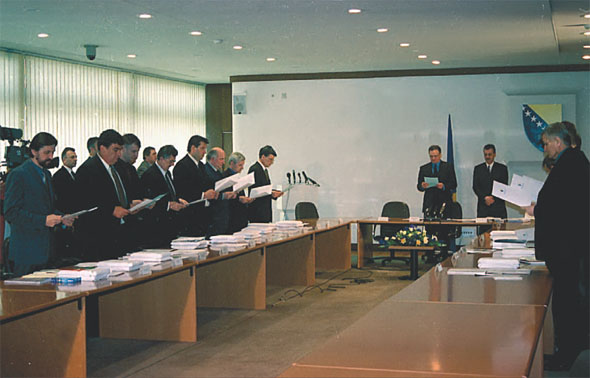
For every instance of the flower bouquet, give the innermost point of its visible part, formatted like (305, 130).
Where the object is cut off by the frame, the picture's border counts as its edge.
(412, 236)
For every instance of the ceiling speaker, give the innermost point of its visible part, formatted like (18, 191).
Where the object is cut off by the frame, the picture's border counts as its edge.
(240, 104)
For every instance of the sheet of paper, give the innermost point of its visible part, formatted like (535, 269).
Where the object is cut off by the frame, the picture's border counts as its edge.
(244, 182)
(431, 181)
(147, 203)
(197, 201)
(261, 191)
(511, 194)
(77, 214)
(226, 182)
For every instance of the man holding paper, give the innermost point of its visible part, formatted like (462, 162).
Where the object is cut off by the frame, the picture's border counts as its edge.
(484, 176)
(260, 211)
(219, 207)
(238, 207)
(437, 180)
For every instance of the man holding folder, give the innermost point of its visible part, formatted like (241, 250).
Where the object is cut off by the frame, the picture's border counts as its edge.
(260, 211)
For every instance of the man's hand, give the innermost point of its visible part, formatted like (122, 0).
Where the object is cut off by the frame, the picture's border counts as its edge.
(229, 195)
(135, 202)
(424, 185)
(210, 194)
(245, 200)
(69, 221)
(176, 206)
(530, 210)
(276, 193)
(489, 200)
(120, 212)
(52, 220)
(440, 186)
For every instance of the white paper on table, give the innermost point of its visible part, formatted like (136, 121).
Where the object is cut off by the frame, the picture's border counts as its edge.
(77, 214)
(511, 194)
(261, 191)
(244, 182)
(147, 203)
(226, 182)
(431, 181)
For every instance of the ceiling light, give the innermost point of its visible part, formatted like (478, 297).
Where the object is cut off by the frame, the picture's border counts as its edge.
(354, 11)
(422, 56)
(131, 56)
(196, 33)
(382, 30)
(271, 59)
(436, 62)
(587, 15)
(587, 46)
(144, 16)
(238, 47)
(586, 33)
(42, 35)
(404, 44)
(586, 57)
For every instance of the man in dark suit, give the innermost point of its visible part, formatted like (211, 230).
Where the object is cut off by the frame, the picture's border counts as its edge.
(66, 201)
(561, 239)
(91, 147)
(439, 194)
(484, 176)
(219, 207)
(29, 208)
(161, 223)
(260, 210)
(149, 158)
(238, 207)
(104, 231)
(192, 184)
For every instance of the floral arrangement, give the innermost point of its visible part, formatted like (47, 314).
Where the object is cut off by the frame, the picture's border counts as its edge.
(412, 236)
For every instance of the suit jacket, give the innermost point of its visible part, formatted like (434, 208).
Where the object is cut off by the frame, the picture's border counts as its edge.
(143, 167)
(562, 215)
(191, 181)
(259, 211)
(161, 225)
(130, 179)
(26, 206)
(434, 197)
(482, 186)
(219, 207)
(238, 212)
(65, 191)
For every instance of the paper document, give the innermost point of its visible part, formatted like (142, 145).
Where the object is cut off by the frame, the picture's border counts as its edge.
(522, 191)
(146, 203)
(197, 201)
(261, 191)
(431, 181)
(245, 182)
(78, 213)
(226, 182)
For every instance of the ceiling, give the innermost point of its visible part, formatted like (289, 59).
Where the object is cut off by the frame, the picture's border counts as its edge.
(304, 36)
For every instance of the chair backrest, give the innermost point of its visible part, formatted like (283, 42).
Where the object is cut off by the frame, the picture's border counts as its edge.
(306, 210)
(394, 209)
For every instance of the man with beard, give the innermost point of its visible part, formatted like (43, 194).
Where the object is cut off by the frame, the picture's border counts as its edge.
(29, 208)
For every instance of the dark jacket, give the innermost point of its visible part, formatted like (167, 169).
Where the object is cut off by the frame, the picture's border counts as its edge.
(434, 197)
(259, 211)
(482, 186)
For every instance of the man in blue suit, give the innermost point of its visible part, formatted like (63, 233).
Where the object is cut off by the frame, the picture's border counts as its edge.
(29, 207)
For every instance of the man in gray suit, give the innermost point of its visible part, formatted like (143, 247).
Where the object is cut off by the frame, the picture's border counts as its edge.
(29, 208)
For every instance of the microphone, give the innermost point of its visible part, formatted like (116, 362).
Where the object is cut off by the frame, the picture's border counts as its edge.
(442, 209)
(313, 182)
(426, 213)
(305, 177)
(294, 178)
(299, 175)
(289, 177)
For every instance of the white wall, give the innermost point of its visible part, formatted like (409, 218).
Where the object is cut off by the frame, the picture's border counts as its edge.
(364, 139)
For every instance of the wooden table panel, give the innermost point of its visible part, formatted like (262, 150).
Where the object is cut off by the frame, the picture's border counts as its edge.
(332, 248)
(291, 262)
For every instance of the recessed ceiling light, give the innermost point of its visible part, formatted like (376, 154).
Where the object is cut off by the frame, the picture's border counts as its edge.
(131, 56)
(404, 44)
(587, 15)
(422, 56)
(586, 33)
(354, 11)
(382, 30)
(196, 33)
(586, 57)
(144, 16)
(587, 46)
(238, 47)
(271, 59)
(436, 62)
(42, 35)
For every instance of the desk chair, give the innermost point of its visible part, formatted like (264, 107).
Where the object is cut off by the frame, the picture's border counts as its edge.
(449, 234)
(306, 210)
(393, 209)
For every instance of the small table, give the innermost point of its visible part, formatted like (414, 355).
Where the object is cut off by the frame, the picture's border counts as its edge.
(413, 249)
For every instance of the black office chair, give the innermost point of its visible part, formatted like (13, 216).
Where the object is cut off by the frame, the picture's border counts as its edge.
(306, 210)
(448, 234)
(393, 209)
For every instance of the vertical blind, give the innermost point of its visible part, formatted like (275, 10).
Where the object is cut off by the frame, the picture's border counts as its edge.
(74, 102)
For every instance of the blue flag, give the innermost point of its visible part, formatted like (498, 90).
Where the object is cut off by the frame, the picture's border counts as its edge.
(450, 154)
(534, 126)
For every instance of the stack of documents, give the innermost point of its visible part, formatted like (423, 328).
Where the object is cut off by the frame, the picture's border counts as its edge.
(189, 243)
(522, 191)
(252, 237)
(152, 255)
(516, 253)
(120, 265)
(227, 243)
(194, 254)
(494, 263)
(265, 230)
(90, 274)
(85, 286)
(28, 281)
(291, 228)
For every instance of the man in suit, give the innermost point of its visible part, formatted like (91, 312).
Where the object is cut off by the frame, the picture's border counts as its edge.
(219, 207)
(484, 176)
(238, 207)
(131, 146)
(91, 147)
(66, 196)
(104, 231)
(29, 208)
(162, 222)
(149, 158)
(260, 210)
(436, 196)
(561, 240)
(192, 184)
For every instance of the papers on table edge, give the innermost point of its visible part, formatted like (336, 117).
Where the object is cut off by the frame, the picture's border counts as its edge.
(244, 182)
(431, 181)
(78, 213)
(522, 191)
(261, 191)
(147, 203)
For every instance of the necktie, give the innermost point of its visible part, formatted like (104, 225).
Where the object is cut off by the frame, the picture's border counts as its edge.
(170, 187)
(490, 169)
(119, 188)
(73, 175)
(266, 174)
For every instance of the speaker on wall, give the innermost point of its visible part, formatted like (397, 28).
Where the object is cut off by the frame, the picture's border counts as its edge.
(240, 104)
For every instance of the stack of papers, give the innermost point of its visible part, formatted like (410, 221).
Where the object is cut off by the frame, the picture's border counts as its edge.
(90, 274)
(227, 243)
(152, 255)
(494, 263)
(291, 228)
(85, 286)
(516, 253)
(252, 237)
(28, 281)
(120, 265)
(196, 254)
(189, 243)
